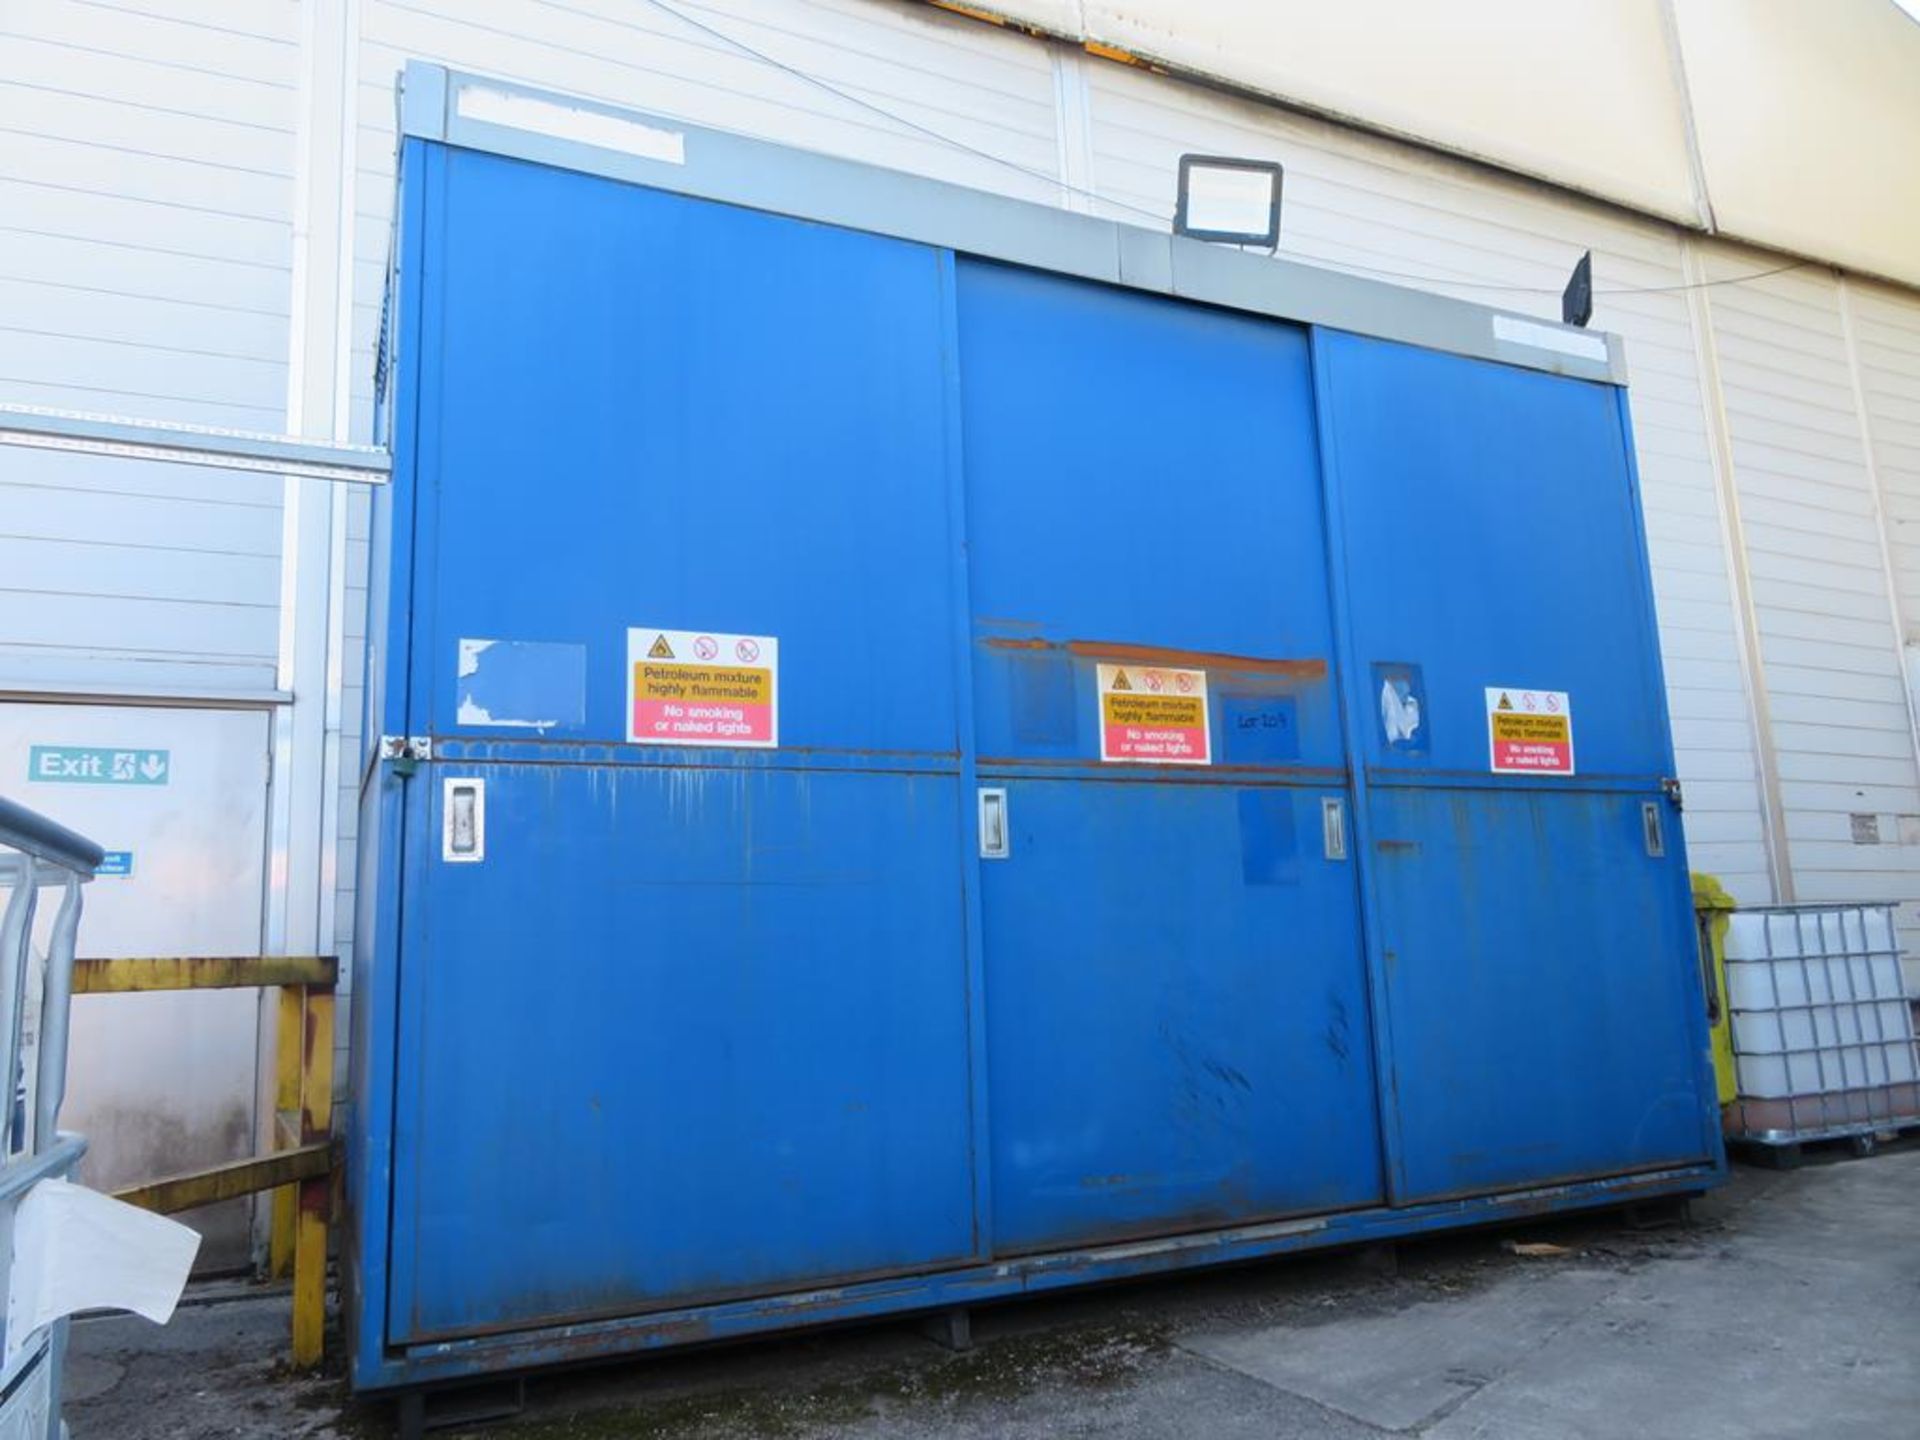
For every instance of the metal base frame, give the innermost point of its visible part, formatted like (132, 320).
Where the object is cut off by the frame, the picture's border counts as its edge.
(1792, 1139)
(417, 1368)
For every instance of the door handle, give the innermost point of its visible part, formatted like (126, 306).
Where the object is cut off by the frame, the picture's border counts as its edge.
(464, 807)
(1651, 830)
(1333, 827)
(995, 843)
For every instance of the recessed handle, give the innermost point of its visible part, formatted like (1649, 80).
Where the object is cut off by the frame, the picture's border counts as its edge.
(995, 844)
(464, 836)
(1333, 826)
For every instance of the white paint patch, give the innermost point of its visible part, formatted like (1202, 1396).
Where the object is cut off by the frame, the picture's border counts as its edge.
(520, 684)
(571, 122)
(474, 714)
(1536, 336)
(470, 653)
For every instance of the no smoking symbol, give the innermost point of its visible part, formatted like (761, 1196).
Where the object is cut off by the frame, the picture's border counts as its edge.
(747, 650)
(1184, 684)
(706, 647)
(1156, 682)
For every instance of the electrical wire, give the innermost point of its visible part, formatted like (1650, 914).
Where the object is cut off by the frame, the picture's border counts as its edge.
(1556, 290)
(808, 77)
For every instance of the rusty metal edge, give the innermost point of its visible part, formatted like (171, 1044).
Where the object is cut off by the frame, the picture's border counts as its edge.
(144, 974)
(233, 1179)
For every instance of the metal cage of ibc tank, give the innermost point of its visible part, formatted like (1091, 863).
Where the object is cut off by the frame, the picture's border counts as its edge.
(930, 964)
(1822, 1026)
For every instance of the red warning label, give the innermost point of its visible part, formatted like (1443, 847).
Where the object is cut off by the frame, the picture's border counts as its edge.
(1529, 732)
(698, 687)
(1153, 716)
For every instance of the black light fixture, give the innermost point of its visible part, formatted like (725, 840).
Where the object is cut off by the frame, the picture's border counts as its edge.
(1229, 199)
(1576, 301)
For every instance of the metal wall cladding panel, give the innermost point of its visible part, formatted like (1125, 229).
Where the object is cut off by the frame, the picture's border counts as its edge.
(1140, 473)
(1539, 997)
(1178, 1029)
(1177, 1026)
(1544, 1016)
(697, 1026)
(660, 411)
(1490, 537)
(710, 1040)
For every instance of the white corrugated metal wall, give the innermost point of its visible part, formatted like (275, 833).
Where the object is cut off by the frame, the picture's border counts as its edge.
(155, 152)
(146, 165)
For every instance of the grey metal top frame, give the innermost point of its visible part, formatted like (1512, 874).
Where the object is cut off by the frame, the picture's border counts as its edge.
(478, 113)
(164, 440)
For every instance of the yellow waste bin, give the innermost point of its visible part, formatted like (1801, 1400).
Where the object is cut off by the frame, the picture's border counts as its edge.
(1711, 902)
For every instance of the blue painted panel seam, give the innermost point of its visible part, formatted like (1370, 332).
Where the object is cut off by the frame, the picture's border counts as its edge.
(375, 1110)
(1693, 984)
(409, 952)
(1348, 659)
(960, 623)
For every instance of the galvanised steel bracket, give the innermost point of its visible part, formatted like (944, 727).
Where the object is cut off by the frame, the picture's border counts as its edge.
(406, 752)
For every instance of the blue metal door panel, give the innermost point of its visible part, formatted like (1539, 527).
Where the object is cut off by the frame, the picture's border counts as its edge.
(1176, 1020)
(1541, 1015)
(1489, 536)
(697, 1024)
(1177, 1038)
(661, 411)
(708, 1040)
(1542, 1012)
(1140, 473)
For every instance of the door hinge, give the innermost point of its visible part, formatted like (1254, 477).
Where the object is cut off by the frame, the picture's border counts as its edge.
(406, 752)
(1670, 787)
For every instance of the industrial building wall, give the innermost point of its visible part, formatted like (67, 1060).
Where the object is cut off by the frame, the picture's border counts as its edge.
(146, 207)
(155, 148)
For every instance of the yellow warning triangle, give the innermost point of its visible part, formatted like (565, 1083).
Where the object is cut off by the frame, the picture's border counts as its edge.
(1120, 681)
(1505, 703)
(661, 650)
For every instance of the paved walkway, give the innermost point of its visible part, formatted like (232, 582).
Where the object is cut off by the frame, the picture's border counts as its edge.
(1791, 1309)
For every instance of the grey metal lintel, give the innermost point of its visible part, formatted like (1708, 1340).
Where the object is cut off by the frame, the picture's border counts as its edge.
(498, 117)
(76, 432)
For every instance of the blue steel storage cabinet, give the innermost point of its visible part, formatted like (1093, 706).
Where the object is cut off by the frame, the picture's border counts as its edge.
(919, 770)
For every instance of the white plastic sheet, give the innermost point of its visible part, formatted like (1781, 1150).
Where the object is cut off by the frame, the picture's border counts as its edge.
(76, 1249)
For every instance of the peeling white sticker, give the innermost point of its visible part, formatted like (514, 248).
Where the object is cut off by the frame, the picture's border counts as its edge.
(521, 684)
(1399, 711)
(470, 653)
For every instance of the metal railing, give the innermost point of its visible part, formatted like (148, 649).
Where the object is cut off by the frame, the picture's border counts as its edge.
(35, 854)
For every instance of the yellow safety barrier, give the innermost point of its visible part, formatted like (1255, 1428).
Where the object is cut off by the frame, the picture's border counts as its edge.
(301, 1167)
(1711, 904)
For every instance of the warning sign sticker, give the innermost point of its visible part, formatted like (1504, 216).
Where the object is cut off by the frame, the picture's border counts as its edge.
(1529, 732)
(1154, 716)
(702, 687)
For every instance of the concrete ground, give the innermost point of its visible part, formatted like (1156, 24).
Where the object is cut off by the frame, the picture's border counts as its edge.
(1790, 1308)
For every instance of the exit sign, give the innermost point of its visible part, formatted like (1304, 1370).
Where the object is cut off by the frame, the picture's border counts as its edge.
(97, 765)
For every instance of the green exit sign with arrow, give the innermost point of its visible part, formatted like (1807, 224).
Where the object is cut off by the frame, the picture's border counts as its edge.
(97, 765)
